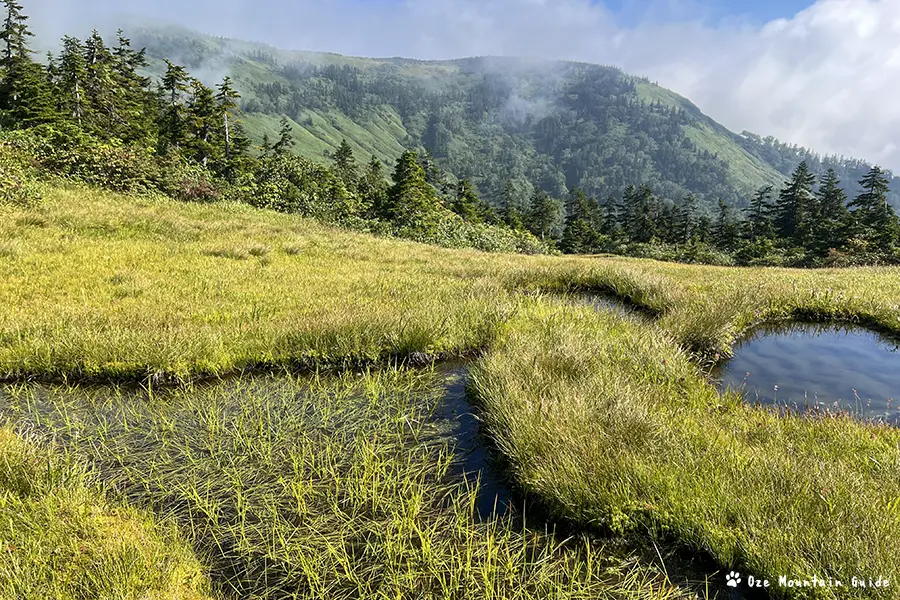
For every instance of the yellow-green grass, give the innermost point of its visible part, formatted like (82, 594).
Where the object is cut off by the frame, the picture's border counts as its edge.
(607, 422)
(319, 487)
(61, 539)
(94, 284)
(101, 285)
(613, 427)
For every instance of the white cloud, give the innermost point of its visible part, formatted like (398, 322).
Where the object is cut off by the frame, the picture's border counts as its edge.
(827, 78)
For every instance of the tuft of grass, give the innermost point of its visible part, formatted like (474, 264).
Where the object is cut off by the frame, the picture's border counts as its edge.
(59, 537)
(612, 427)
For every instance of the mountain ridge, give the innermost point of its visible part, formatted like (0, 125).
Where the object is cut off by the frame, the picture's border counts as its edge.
(551, 124)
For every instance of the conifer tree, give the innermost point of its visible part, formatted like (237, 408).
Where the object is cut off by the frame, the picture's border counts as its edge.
(792, 222)
(226, 99)
(134, 99)
(203, 118)
(72, 76)
(345, 164)
(102, 90)
(411, 202)
(612, 220)
(725, 233)
(759, 216)
(686, 219)
(511, 212)
(286, 139)
(642, 212)
(372, 188)
(543, 218)
(831, 227)
(174, 85)
(25, 96)
(875, 219)
(579, 237)
(466, 202)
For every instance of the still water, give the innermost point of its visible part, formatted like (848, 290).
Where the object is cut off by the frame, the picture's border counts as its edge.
(823, 367)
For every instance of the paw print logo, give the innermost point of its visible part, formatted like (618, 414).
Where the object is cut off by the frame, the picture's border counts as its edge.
(732, 579)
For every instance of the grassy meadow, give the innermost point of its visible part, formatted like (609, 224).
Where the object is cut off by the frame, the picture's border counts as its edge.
(338, 485)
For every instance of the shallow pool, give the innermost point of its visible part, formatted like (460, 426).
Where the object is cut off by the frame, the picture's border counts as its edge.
(823, 367)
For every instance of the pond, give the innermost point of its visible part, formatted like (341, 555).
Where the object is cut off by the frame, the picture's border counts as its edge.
(827, 368)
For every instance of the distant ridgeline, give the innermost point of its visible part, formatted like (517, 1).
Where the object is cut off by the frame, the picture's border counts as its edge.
(553, 125)
(495, 154)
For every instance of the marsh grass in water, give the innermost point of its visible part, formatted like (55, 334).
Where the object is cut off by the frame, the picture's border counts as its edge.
(319, 487)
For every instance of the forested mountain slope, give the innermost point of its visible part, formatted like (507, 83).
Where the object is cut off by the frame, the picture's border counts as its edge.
(553, 125)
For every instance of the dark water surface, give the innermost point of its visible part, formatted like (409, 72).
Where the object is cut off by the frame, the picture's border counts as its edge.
(825, 367)
(471, 449)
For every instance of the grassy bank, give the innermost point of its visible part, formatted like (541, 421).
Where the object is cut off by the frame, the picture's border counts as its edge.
(60, 538)
(108, 286)
(611, 426)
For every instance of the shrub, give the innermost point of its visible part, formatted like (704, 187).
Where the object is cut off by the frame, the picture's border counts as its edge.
(17, 181)
(64, 149)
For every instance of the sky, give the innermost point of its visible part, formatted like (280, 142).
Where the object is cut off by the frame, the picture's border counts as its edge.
(823, 74)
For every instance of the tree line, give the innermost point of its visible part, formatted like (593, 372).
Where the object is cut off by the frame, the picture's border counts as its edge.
(88, 112)
(99, 118)
(810, 221)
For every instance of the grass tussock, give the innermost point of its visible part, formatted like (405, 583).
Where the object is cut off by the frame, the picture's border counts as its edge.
(612, 427)
(59, 537)
(321, 488)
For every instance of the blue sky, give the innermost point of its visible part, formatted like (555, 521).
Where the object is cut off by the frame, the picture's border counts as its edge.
(634, 12)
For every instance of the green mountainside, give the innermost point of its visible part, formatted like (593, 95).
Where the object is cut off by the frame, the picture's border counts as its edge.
(553, 125)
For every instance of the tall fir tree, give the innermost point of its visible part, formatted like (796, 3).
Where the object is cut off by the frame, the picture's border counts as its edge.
(759, 224)
(792, 210)
(579, 236)
(72, 77)
(372, 188)
(345, 164)
(175, 84)
(511, 207)
(725, 233)
(25, 94)
(203, 118)
(875, 219)
(686, 219)
(831, 227)
(466, 202)
(642, 211)
(411, 202)
(235, 142)
(286, 139)
(134, 100)
(544, 215)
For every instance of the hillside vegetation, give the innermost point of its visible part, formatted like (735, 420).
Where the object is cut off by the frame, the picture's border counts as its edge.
(551, 125)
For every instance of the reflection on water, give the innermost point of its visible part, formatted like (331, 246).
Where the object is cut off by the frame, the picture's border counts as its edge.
(828, 368)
